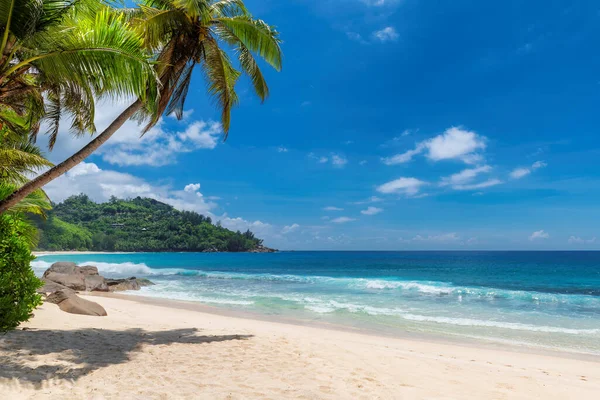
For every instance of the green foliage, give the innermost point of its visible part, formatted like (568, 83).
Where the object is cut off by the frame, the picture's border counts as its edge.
(57, 56)
(188, 33)
(18, 284)
(139, 224)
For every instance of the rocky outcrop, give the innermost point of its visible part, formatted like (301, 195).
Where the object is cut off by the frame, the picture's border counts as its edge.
(70, 275)
(63, 279)
(133, 283)
(69, 302)
(262, 249)
(67, 274)
(51, 287)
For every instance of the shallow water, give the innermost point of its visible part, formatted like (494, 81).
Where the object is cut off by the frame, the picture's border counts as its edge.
(539, 299)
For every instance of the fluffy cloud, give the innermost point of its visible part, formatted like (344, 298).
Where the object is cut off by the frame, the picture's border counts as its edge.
(289, 228)
(541, 234)
(260, 229)
(162, 145)
(403, 157)
(342, 220)
(338, 160)
(406, 186)
(454, 143)
(386, 34)
(159, 146)
(100, 185)
(192, 187)
(332, 208)
(465, 176)
(578, 240)
(371, 211)
(282, 149)
(519, 173)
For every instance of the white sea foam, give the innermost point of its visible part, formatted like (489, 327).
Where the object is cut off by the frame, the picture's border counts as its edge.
(186, 296)
(111, 269)
(498, 324)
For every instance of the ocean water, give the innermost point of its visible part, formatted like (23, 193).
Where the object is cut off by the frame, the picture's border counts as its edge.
(538, 299)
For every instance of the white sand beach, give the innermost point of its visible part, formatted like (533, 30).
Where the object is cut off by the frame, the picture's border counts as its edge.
(162, 350)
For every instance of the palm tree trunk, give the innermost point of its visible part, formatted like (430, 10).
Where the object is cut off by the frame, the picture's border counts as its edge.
(70, 162)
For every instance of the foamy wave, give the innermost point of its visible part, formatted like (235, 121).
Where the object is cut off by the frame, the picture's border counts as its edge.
(111, 269)
(152, 292)
(333, 306)
(498, 324)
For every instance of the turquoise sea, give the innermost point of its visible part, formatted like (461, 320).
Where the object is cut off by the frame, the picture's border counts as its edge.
(546, 300)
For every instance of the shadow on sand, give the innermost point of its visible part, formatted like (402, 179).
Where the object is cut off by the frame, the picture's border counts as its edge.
(76, 353)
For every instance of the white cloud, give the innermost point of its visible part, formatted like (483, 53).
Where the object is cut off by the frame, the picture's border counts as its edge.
(100, 185)
(282, 149)
(371, 211)
(341, 220)
(519, 173)
(338, 161)
(386, 34)
(403, 157)
(362, 162)
(289, 228)
(541, 234)
(159, 146)
(192, 187)
(454, 143)
(240, 224)
(476, 186)
(464, 176)
(578, 240)
(332, 208)
(407, 186)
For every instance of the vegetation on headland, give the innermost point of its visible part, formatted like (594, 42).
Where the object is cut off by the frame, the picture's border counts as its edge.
(139, 224)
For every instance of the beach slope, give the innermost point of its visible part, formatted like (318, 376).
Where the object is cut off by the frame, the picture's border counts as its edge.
(150, 350)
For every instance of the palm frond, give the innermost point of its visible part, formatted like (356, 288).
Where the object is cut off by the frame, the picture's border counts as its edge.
(256, 35)
(228, 8)
(221, 78)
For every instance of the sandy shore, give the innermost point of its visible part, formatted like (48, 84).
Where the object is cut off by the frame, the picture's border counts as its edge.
(158, 350)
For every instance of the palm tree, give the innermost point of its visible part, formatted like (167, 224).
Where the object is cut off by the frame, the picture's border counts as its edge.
(184, 34)
(57, 56)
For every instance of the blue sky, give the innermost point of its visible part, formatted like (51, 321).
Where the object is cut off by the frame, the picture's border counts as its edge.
(394, 125)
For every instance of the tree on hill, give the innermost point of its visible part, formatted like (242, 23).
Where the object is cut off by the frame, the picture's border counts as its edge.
(139, 224)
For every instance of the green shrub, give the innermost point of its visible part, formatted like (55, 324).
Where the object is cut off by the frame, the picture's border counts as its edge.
(18, 283)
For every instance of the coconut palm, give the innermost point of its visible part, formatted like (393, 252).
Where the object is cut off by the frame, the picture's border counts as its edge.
(184, 34)
(56, 56)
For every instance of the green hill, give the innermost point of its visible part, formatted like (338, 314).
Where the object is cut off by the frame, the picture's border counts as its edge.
(139, 224)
